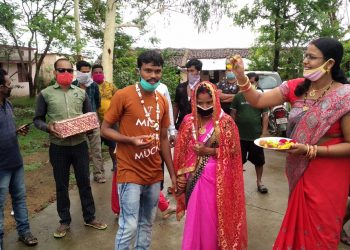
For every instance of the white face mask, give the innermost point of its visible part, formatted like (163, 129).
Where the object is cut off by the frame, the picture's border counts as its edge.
(84, 78)
(90, 81)
(193, 80)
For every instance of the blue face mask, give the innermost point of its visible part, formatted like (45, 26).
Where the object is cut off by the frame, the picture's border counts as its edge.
(147, 86)
(230, 75)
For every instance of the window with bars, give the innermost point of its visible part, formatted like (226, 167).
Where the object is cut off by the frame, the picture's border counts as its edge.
(22, 74)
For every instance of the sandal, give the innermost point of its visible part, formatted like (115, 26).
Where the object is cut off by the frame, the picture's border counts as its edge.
(96, 224)
(262, 189)
(28, 239)
(344, 238)
(169, 211)
(61, 231)
(100, 179)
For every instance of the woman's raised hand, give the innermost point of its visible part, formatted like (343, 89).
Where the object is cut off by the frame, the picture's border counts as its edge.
(237, 66)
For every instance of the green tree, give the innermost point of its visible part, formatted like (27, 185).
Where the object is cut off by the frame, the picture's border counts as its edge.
(285, 27)
(125, 61)
(125, 65)
(104, 16)
(171, 75)
(346, 58)
(45, 22)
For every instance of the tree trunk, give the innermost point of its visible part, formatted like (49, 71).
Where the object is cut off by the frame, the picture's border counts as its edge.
(32, 85)
(277, 42)
(77, 29)
(108, 40)
(40, 62)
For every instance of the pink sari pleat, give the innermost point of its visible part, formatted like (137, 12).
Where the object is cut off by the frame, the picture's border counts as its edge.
(201, 224)
(200, 232)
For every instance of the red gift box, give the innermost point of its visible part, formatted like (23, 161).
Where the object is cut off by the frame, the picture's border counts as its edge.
(77, 125)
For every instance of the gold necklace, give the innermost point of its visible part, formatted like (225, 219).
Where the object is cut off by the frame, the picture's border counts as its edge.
(305, 108)
(153, 124)
(313, 91)
(201, 129)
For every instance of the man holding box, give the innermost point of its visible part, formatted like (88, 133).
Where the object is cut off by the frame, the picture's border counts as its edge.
(55, 103)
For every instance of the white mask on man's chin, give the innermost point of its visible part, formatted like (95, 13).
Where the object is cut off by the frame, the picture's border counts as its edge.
(193, 80)
(90, 81)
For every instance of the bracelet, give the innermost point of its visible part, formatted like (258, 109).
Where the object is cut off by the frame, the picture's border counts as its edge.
(315, 154)
(307, 149)
(246, 82)
(311, 152)
(246, 89)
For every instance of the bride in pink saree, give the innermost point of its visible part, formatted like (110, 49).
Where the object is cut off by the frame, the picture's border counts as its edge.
(209, 171)
(318, 166)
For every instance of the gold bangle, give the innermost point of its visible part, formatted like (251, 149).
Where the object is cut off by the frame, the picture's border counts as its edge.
(246, 89)
(307, 150)
(315, 151)
(246, 82)
(311, 152)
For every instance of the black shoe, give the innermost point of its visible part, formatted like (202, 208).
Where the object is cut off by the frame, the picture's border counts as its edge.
(28, 239)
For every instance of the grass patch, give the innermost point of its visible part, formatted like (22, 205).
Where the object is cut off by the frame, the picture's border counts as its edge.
(35, 140)
(22, 102)
(33, 166)
(72, 179)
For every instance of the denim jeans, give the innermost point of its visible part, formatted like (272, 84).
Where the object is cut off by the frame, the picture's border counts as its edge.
(138, 205)
(12, 181)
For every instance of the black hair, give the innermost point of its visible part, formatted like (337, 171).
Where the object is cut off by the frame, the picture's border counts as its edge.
(96, 66)
(81, 64)
(3, 73)
(331, 49)
(150, 56)
(194, 62)
(253, 74)
(61, 59)
(203, 89)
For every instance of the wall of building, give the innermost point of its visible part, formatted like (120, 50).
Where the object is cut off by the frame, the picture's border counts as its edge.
(46, 70)
(10, 61)
(19, 88)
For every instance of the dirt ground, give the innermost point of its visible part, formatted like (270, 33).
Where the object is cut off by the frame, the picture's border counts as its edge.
(40, 187)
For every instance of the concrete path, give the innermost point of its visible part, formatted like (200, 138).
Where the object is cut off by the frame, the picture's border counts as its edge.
(264, 214)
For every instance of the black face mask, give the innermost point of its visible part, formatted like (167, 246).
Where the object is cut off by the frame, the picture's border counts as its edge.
(204, 112)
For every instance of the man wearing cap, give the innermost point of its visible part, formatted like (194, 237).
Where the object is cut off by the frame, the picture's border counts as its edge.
(227, 88)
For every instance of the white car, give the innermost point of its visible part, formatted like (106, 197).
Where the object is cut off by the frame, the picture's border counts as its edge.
(268, 79)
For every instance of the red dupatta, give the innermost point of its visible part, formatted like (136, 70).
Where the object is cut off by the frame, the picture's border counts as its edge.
(313, 125)
(232, 226)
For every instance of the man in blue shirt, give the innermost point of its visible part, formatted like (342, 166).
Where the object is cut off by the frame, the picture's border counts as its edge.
(11, 166)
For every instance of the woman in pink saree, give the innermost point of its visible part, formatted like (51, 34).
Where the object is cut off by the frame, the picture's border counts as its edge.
(318, 166)
(210, 176)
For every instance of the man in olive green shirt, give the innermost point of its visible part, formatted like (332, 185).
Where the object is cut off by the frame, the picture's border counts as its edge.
(58, 102)
(252, 124)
